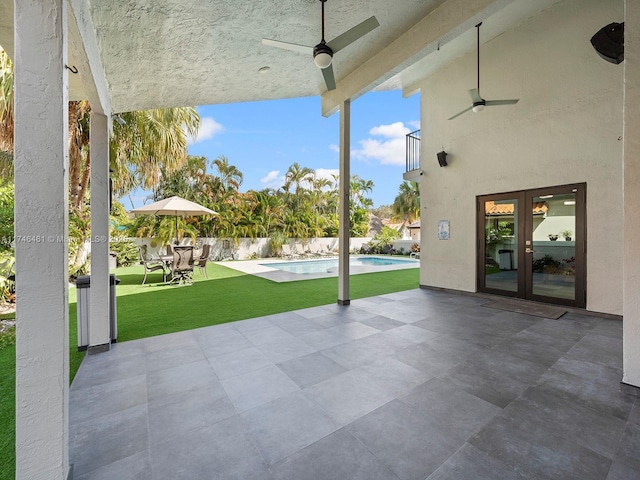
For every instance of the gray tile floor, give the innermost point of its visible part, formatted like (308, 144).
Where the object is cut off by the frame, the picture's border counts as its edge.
(412, 385)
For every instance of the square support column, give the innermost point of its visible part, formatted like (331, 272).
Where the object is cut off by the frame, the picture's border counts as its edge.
(41, 224)
(99, 328)
(631, 188)
(343, 204)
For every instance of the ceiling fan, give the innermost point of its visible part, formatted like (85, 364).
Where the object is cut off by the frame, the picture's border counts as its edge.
(323, 52)
(478, 103)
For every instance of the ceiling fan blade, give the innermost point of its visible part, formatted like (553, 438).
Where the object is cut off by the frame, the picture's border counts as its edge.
(329, 78)
(294, 47)
(475, 95)
(492, 103)
(353, 34)
(463, 111)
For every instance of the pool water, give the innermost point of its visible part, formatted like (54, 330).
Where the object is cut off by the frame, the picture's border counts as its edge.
(323, 266)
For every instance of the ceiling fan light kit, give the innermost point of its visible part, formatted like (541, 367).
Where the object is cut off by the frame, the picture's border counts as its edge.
(322, 55)
(478, 103)
(323, 52)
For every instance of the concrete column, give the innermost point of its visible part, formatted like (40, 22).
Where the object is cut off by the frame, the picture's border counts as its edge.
(631, 175)
(99, 331)
(41, 225)
(343, 213)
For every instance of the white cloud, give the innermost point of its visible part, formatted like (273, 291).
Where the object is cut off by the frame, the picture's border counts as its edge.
(273, 179)
(390, 150)
(208, 128)
(393, 130)
(415, 124)
(335, 148)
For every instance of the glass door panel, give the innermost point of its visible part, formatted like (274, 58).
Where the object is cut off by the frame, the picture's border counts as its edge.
(532, 244)
(501, 244)
(553, 246)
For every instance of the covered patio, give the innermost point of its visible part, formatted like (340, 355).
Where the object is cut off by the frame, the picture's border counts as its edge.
(411, 385)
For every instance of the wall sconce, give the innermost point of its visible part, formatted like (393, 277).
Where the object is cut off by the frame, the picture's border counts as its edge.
(442, 158)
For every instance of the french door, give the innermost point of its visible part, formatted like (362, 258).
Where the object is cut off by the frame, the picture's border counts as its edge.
(532, 244)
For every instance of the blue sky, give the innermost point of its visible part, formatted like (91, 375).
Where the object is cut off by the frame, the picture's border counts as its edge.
(264, 138)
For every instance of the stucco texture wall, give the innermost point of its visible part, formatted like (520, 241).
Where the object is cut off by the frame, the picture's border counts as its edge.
(566, 129)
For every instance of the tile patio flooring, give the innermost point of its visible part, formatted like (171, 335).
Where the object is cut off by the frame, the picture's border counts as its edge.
(412, 385)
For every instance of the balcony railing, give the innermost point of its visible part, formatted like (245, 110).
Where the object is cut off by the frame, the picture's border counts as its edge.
(413, 151)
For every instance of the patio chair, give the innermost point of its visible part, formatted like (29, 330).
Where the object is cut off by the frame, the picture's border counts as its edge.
(301, 251)
(319, 252)
(201, 262)
(182, 266)
(150, 264)
(288, 253)
(327, 251)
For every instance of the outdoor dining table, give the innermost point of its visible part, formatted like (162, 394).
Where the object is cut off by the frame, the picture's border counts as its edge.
(168, 259)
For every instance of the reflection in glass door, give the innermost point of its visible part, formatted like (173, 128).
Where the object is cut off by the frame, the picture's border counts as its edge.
(501, 244)
(531, 244)
(555, 245)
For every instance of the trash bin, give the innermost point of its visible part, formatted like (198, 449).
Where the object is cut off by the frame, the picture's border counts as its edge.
(113, 260)
(506, 259)
(83, 287)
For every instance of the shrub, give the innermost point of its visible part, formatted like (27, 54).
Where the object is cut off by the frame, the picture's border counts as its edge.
(126, 252)
(545, 264)
(276, 240)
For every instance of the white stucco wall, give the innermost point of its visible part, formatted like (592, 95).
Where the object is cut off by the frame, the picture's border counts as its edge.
(631, 330)
(566, 129)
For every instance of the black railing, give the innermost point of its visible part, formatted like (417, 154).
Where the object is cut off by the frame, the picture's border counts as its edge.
(413, 151)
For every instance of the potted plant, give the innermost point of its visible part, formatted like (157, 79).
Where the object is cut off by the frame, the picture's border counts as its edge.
(553, 237)
(567, 235)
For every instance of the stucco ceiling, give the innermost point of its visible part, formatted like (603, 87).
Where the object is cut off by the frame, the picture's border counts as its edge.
(176, 52)
(168, 53)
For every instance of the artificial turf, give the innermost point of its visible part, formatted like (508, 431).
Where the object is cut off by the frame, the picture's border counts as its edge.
(155, 309)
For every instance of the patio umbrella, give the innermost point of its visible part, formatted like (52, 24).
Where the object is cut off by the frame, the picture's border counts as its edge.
(174, 206)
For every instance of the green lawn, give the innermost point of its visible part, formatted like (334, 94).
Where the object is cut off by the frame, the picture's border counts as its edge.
(155, 309)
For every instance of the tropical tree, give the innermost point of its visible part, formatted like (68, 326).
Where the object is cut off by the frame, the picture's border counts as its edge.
(79, 155)
(230, 176)
(6, 115)
(406, 206)
(297, 176)
(148, 144)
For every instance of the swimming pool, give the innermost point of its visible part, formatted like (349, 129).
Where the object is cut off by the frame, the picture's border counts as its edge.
(306, 267)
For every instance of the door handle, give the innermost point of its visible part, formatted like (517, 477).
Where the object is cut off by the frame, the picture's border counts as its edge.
(529, 250)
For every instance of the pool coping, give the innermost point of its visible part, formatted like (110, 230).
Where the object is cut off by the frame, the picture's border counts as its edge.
(260, 268)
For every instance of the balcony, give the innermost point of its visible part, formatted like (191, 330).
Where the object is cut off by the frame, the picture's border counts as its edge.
(412, 166)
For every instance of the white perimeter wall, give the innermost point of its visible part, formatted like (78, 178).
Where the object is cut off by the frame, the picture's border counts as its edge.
(565, 129)
(245, 248)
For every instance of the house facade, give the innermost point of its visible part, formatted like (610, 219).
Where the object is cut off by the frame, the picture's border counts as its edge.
(551, 163)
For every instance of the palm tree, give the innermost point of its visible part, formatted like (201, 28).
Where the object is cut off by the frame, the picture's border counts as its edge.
(297, 175)
(406, 206)
(230, 175)
(148, 144)
(6, 115)
(79, 155)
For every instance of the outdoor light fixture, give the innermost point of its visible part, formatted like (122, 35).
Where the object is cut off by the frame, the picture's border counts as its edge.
(322, 55)
(120, 120)
(442, 158)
